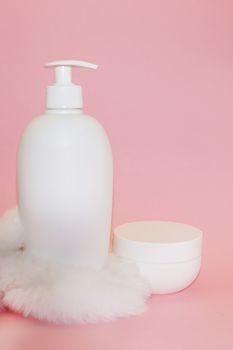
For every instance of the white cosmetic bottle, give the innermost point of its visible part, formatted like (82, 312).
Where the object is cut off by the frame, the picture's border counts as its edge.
(64, 178)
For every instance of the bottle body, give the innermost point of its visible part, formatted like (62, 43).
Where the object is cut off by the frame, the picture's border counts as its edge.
(64, 186)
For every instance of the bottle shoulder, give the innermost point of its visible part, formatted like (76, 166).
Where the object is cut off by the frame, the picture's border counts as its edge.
(59, 120)
(51, 126)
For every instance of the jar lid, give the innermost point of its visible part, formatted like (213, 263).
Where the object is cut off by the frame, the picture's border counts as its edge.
(157, 242)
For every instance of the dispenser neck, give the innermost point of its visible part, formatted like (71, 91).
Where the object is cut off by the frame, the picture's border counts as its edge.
(64, 94)
(63, 75)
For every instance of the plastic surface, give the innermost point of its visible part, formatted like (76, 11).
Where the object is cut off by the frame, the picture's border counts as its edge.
(65, 94)
(64, 185)
(168, 254)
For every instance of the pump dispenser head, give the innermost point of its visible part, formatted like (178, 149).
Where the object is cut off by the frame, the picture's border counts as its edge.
(64, 94)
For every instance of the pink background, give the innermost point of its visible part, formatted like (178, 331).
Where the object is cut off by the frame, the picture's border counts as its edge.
(164, 93)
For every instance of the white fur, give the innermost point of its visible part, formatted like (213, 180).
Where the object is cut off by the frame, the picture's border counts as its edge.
(62, 293)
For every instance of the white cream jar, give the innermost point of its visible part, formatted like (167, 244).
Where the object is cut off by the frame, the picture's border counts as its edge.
(167, 253)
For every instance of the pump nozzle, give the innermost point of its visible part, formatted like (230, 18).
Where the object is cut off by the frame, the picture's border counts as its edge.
(65, 94)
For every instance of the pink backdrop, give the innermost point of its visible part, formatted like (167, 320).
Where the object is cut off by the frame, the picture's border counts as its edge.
(164, 94)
